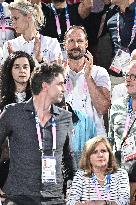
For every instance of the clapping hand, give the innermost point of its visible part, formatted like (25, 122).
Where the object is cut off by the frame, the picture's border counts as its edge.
(37, 48)
(88, 64)
(10, 48)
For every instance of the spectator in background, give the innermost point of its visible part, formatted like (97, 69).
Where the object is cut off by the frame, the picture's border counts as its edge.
(15, 76)
(87, 85)
(92, 11)
(122, 26)
(15, 87)
(27, 18)
(122, 130)
(120, 90)
(59, 16)
(99, 181)
(6, 28)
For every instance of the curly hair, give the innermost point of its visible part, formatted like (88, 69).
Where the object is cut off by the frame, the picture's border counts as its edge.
(89, 148)
(44, 73)
(7, 81)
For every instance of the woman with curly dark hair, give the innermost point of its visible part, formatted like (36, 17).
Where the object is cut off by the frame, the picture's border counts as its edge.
(15, 87)
(15, 76)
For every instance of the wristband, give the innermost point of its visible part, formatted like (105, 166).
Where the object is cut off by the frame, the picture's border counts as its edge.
(108, 203)
(42, 61)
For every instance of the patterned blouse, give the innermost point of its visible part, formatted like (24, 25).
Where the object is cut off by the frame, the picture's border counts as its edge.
(83, 188)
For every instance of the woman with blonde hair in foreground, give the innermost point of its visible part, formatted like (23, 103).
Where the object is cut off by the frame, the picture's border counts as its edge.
(99, 181)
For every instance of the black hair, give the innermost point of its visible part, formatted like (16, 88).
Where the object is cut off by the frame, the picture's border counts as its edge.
(44, 73)
(7, 82)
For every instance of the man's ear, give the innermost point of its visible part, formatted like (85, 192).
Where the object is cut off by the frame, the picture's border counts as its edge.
(86, 44)
(45, 86)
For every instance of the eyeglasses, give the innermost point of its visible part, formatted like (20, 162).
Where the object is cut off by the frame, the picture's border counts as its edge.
(131, 76)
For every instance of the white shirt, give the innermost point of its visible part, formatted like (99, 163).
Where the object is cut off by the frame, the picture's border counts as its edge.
(50, 47)
(77, 93)
(118, 91)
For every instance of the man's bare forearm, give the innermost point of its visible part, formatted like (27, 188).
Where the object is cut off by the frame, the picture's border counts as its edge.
(100, 96)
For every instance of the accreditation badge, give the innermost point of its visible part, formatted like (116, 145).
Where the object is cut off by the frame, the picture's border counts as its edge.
(120, 61)
(129, 148)
(48, 169)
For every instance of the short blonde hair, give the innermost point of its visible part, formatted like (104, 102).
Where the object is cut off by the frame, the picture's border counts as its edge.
(25, 7)
(89, 148)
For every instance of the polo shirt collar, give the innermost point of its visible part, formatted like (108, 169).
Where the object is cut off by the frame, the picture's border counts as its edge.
(23, 41)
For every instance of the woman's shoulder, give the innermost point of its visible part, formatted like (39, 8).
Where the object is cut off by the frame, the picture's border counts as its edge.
(120, 172)
(80, 172)
(48, 39)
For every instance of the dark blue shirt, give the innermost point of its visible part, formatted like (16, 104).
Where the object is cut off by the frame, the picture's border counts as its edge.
(126, 23)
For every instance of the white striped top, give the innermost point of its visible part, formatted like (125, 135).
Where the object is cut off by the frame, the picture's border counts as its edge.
(83, 188)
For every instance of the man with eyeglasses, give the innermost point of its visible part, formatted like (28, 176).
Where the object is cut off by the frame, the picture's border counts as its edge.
(120, 90)
(122, 130)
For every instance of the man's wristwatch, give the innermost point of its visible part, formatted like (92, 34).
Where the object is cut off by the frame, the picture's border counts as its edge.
(42, 61)
(108, 202)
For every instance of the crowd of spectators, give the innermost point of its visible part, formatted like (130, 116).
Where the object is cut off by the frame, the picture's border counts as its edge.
(60, 92)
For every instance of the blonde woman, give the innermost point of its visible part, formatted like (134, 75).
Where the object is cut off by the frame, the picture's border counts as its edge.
(99, 181)
(27, 18)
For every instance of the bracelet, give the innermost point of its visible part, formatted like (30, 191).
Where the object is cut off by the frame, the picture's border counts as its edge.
(108, 202)
(42, 61)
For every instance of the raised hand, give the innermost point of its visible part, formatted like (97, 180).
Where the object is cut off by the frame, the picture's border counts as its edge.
(37, 48)
(88, 64)
(10, 48)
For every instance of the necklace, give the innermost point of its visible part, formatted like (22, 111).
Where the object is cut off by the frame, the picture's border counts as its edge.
(101, 180)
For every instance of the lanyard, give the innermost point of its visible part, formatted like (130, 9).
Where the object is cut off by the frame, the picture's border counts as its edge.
(40, 140)
(108, 180)
(129, 114)
(133, 29)
(57, 19)
(2, 20)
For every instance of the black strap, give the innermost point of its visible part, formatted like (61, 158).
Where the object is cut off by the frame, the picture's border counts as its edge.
(128, 132)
